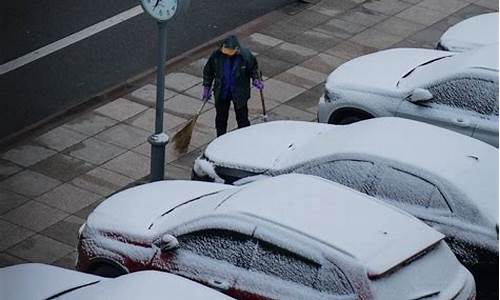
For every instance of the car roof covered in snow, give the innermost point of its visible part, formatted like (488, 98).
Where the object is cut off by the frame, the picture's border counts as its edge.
(340, 217)
(472, 33)
(39, 281)
(469, 164)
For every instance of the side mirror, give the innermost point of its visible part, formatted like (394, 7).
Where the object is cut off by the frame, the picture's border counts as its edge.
(419, 96)
(168, 242)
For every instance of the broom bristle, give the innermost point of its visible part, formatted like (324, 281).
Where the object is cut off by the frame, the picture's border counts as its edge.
(182, 138)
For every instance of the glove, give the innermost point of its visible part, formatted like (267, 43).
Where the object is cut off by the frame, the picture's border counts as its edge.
(258, 84)
(206, 94)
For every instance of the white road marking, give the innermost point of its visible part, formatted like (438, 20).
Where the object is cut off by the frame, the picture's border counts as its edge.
(69, 40)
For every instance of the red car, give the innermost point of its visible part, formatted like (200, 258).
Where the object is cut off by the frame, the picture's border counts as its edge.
(288, 237)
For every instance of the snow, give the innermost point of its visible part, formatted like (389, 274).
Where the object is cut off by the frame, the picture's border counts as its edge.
(38, 281)
(480, 63)
(257, 151)
(437, 151)
(146, 285)
(203, 167)
(380, 72)
(325, 210)
(132, 211)
(471, 33)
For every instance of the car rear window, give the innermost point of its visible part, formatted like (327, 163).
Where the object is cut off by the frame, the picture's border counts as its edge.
(402, 187)
(272, 260)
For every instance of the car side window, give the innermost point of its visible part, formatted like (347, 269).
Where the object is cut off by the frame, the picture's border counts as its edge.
(402, 187)
(274, 261)
(471, 94)
(232, 247)
(355, 174)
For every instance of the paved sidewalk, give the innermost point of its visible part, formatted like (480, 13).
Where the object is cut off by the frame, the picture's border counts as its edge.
(50, 182)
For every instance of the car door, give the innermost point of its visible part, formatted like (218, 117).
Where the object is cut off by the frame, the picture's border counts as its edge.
(487, 107)
(356, 174)
(451, 106)
(214, 257)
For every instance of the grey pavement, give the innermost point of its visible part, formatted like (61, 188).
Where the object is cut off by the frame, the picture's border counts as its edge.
(52, 180)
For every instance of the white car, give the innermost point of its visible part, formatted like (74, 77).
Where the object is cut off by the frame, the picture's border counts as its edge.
(446, 179)
(38, 281)
(471, 34)
(458, 91)
(287, 237)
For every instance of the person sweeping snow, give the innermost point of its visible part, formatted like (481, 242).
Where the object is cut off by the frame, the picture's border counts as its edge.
(229, 70)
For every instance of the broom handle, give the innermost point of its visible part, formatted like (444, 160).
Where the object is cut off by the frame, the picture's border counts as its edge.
(262, 96)
(202, 107)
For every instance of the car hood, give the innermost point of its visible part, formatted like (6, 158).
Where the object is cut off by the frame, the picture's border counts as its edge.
(132, 212)
(381, 71)
(38, 281)
(472, 33)
(251, 150)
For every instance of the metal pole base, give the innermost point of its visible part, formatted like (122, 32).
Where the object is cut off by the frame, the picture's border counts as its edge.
(158, 143)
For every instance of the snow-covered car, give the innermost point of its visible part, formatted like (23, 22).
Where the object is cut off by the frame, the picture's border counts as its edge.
(39, 281)
(274, 239)
(458, 91)
(448, 180)
(471, 34)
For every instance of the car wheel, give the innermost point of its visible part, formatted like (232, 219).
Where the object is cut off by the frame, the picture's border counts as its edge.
(348, 116)
(107, 270)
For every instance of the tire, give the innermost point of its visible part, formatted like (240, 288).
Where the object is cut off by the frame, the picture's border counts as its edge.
(348, 116)
(107, 270)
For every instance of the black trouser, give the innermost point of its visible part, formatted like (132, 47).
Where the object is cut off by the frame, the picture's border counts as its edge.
(222, 114)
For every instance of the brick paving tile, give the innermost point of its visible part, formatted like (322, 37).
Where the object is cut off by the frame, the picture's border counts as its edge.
(60, 138)
(180, 82)
(101, 181)
(65, 231)
(94, 151)
(9, 260)
(69, 198)
(12, 234)
(27, 155)
(41, 249)
(62, 167)
(146, 95)
(90, 124)
(29, 183)
(34, 215)
(129, 164)
(10, 200)
(124, 135)
(8, 168)
(121, 109)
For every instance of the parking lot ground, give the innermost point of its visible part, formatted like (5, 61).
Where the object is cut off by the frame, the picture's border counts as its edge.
(51, 180)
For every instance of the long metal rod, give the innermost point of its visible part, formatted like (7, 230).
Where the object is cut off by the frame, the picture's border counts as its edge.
(159, 140)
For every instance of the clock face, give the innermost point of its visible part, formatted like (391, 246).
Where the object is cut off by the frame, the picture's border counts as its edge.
(161, 10)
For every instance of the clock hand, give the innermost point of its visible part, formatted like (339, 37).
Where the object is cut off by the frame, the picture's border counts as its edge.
(157, 2)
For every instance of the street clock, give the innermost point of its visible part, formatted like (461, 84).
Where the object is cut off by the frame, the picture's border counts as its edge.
(164, 10)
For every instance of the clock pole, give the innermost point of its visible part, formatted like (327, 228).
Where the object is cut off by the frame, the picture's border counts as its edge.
(159, 139)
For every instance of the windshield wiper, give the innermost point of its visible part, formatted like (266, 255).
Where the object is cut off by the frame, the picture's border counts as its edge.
(421, 65)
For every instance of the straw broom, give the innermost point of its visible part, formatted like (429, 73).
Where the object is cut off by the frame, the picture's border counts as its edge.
(182, 138)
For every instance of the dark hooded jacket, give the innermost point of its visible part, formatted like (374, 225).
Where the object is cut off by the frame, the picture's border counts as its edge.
(247, 69)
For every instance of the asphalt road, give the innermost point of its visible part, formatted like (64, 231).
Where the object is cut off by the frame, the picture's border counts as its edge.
(71, 75)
